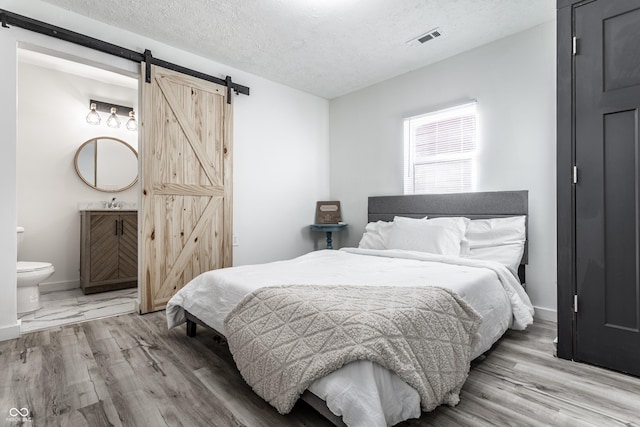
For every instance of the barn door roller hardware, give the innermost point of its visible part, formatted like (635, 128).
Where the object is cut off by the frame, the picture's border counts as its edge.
(8, 18)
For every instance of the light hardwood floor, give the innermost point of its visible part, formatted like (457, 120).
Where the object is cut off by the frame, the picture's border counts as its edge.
(130, 371)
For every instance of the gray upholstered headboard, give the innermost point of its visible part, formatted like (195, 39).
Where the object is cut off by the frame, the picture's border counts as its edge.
(471, 205)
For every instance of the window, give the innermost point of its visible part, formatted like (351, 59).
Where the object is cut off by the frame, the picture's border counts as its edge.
(439, 150)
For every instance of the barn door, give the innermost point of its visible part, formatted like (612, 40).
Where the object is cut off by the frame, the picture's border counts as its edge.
(607, 102)
(186, 178)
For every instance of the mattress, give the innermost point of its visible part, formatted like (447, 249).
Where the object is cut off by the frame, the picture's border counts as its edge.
(364, 393)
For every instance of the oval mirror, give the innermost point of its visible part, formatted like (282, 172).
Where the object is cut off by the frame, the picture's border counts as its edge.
(107, 164)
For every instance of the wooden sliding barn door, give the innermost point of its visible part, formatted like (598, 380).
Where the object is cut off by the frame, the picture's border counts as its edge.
(186, 183)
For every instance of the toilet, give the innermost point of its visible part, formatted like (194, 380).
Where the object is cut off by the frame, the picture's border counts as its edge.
(30, 275)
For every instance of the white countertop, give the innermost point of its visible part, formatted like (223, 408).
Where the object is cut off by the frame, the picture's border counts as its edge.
(102, 206)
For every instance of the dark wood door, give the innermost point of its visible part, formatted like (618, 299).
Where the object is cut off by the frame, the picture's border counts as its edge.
(607, 197)
(103, 247)
(128, 247)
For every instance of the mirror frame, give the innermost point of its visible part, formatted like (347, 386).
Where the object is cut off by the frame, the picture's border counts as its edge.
(95, 139)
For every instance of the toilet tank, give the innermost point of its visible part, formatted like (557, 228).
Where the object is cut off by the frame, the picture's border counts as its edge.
(20, 231)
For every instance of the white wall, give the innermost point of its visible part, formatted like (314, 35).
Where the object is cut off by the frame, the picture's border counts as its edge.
(281, 147)
(52, 106)
(513, 80)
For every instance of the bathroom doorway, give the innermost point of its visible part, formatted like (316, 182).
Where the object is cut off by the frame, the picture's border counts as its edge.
(54, 95)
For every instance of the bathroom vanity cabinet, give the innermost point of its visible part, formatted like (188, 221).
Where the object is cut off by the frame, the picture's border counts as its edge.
(108, 250)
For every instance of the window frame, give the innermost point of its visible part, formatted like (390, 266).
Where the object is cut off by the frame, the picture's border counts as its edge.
(411, 124)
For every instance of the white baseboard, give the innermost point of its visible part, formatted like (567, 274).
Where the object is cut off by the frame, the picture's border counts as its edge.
(10, 332)
(59, 286)
(548, 314)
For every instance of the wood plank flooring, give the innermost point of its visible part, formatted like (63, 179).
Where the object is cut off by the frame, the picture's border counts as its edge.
(130, 371)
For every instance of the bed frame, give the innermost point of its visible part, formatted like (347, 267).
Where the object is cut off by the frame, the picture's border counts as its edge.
(384, 208)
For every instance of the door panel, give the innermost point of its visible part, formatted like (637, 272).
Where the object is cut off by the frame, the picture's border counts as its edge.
(621, 36)
(186, 183)
(620, 211)
(128, 253)
(607, 98)
(104, 247)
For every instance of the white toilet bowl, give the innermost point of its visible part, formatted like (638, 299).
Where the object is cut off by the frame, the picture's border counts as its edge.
(30, 275)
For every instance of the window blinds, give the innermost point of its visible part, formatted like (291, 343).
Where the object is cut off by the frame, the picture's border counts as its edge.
(439, 151)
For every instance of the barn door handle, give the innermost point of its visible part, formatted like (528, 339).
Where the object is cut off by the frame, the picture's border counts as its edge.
(116, 227)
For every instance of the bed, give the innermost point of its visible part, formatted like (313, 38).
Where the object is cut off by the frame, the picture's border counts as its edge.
(362, 392)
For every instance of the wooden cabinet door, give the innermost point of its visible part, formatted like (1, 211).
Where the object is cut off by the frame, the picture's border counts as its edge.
(103, 247)
(607, 193)
(185, 179)
(128, 247)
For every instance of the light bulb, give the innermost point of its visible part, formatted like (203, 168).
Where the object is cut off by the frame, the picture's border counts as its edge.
(113, 121)
(132, 124)
(93, 118)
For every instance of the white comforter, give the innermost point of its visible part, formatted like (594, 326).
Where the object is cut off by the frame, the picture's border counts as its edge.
(364, 393)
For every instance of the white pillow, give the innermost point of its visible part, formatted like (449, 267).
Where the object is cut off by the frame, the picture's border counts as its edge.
(496, 231)
(459, 224)
(498, 239)
(424, 236)
(375, 235)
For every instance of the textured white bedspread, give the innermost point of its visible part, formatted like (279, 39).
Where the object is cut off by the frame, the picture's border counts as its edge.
(364, 393)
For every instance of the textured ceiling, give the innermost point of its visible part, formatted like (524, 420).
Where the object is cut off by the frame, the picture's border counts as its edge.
(324, 47)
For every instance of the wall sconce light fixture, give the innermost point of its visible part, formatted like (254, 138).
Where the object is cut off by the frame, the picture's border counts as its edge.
(132, 124)
(115, 110)
(93, 118)
(113, 121)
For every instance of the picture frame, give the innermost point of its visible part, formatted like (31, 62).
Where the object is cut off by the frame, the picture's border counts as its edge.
(328, 212)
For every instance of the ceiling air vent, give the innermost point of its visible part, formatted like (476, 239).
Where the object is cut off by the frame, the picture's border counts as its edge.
(429, 35)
